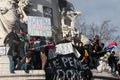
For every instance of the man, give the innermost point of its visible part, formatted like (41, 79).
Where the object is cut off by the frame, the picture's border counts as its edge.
(13, 40)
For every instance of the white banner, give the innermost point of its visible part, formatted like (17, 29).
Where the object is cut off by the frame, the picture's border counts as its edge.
(39, 26)
(2, 50)
(66, 48)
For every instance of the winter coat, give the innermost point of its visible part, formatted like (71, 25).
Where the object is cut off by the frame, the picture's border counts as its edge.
(13, 40)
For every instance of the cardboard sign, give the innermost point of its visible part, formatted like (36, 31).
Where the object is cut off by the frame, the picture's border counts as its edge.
(2, 50)
(39, 26)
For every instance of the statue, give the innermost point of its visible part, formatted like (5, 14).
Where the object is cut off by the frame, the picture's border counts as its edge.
(23, 7)
(12, 14)
(68, 21)
(68, 25)
(72, 15)
(103, 65)
(65, 5)
(8, 17)
(68, 16)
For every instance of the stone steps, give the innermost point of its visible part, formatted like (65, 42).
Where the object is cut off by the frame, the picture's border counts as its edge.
(4, 64)
(105, 75)
(21, 75)
(37, 74)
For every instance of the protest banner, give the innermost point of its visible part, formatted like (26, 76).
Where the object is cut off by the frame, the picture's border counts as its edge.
(39, 26)
(63, 64)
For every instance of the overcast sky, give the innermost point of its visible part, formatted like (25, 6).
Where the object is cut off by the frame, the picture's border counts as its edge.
(97, 11)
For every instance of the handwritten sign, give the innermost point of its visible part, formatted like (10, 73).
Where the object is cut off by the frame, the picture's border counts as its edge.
(2, 50)
(64, 65)
(39, 26)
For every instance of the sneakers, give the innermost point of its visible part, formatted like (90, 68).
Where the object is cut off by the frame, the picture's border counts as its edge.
(12, 72)
(26, 71)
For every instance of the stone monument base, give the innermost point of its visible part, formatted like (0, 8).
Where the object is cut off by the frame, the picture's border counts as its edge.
(19, 74)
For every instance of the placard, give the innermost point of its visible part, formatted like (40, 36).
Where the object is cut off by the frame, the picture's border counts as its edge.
(2, 50)
(47, 12)
(39, 26)
(65, 65)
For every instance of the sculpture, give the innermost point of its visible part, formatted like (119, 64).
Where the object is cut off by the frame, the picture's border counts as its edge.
(23, 8)
(68, 25)
(72, 15)
(68, 21)
(6, 9)
(11, 14)
(103, 65)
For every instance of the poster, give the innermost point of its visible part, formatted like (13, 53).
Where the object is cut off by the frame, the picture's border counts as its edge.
(47, 12)
(2, 50)
(39, 26)
(65, 65)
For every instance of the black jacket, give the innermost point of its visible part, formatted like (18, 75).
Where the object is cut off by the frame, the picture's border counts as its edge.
(9, 39)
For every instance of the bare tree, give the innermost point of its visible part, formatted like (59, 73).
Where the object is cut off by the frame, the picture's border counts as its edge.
(81, 26)
(106, 31)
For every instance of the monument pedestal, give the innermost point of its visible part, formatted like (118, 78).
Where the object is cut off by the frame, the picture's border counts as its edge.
(19, 74)
(4, 65)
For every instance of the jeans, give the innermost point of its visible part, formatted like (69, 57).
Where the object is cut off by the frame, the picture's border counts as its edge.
(25, 67)
(112, 67)
(11, 62)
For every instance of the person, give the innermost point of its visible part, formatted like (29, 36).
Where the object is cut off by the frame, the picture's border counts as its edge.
(112, 61)
(50, 45)
(42, 52)
(26, 62)
(37, 60)
(13, 40)
(24, 40)
(80, 49)
(95, 49)
(21, 62)
(64, 53)
(31, 50)
(47, 51)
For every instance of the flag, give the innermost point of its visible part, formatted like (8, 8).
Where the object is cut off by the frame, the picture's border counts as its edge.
(113, 44)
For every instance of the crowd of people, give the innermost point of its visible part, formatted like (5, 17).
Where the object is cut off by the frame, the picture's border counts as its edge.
(25, 52)
(32, 53)
(98, 56)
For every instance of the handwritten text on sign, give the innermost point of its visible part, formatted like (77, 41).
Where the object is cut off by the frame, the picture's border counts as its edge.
(64, 67)
(39, 26)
